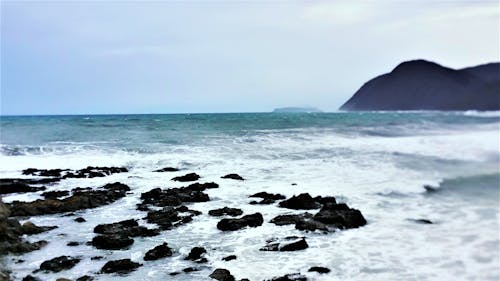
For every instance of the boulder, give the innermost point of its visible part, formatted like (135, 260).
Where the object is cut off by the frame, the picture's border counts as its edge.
(252, 220)
(340, 215)
(221, 275)
(319, 269)
(197, 254)
(290, 219)
(112, 242)
(233, 212)
(187, 177)
(233, 176)
(176, 196)
(170, 217)
(128, 228)
(229, 258)
(287, 244)
(59, 263)
(158, 252)
(167, 169)
(30, 228)
(302, 201)
(80, 219)
(122, 266)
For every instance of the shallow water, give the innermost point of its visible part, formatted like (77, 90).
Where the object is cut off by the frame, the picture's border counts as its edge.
(375, 162)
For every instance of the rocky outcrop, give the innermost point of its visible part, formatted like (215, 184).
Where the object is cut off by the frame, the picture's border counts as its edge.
(221, 275)
(89, 172)
(17, 186)
(59, 264)
(290, 219)
(302, 201)
(425, 85)
(187, 177)
(267, 198)
(286, 244)
(122, 266)
(170, 217)
(252, 220)
(118, 235)
(226, 211)
(158, 252)
(197, 255)
(176, 196)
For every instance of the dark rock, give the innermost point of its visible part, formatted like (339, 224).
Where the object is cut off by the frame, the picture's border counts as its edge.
(170, 217)
(303, 201)
(340, 215)
(187, 177)
(85, 278)
(422, 221)
(189, 269)
(319, 269)
(129, 228)
(265, 195)
(287, 244)
(158, 252)
(123, 266)
(174, 273)
(78, 201)
(233, 176)
(89, 172)
(229, 258)
(312, 225)
(252, 220)
(72, 243)
(196, 254)
(112, 242)
(290, 219)
(425, 85)
(222, 275)
(201, 186)
(263, 202)
(96, 258)
(55, 194)
(291, 277)
(167, 169)
(59, 264)
(31, 278)
(17, 186)
(80, 219)
(176, 196)
(30, 228)
(233, 212)
(325, 200)
(430, 189)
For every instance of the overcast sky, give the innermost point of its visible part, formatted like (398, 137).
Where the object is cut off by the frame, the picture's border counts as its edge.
(78, 57)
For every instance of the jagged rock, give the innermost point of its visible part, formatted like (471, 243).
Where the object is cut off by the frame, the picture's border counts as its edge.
(252, 220)
(112, 242)
(187, 177)
(176, 196)
(340, 215)
(129, 228)
(17, 186)
(229, 258)
(78, 201)
(31, 278)
(287, 244)
(158, 252)
(59, 264)
(89, 172)
(196, 254)
(302, 201)
(233, 176)
(169, 217)
(290, 277)
(233, 212)
(30, 228)
(319, 269)
(167, 169)
(85, 278)
(312, 225)
(122, 266)
(290, 219)
(222, 275)
(265, 195)
(55, 194)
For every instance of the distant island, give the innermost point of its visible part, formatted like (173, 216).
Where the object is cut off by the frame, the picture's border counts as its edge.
(425, 85)
(296, 110)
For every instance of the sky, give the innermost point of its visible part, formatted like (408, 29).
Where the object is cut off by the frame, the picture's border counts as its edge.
(109, 57)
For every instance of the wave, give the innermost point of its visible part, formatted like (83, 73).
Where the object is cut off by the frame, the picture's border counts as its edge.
(485, 114)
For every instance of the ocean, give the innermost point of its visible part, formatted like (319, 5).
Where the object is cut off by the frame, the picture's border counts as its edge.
(376, 162)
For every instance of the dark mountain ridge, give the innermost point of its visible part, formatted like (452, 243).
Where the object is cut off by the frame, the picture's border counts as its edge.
(425, 85)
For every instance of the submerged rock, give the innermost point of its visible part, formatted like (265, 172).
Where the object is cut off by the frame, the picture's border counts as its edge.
(17, 186)
(287, 244)
(319, 269)
(229, 258)
(158, 252)
(233, 176)
(233, 212)
(170, 217)
(265, 195)
(290, 277)
(122, 266)
(302, 201)
(80, 219)
(167, 169)
(187, 177)
(196, 254)
(59, 264)
(78, 201)
(85, 278)
(421, 221)
(221, 275)
(252, 220)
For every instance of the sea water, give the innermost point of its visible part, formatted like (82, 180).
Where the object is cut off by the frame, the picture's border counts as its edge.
(377, 162)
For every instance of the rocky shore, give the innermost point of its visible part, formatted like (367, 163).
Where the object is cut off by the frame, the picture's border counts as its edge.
(166, 209)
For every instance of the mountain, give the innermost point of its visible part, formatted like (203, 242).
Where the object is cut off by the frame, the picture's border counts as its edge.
(296, 109)
(425, 85)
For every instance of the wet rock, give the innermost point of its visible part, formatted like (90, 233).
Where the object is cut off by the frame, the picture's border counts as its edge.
(287, 244)
(187, 177)
(31, 278)
(176, 196)
(319, 269)
(233, 176)
(169, 217)
(167, 169)
(290, 219)
(422, 221)
(325, 200)
(96, 258)
(158, 252)
(190, 269)
(112, 242)
(340, 215)
(43, 172)
(122, 266)
(30, 228)
(80, 219)
(222, 275)
(252, 220)
(129, 228)
(265, 195)
(233, 212)
(302, 201)
(229, 258)
(89, 172)
(202, 186)
(55, 194)
(17, 186)
(59, 264)
(85, 278)
(312, 225)
(4, 210)
(78, 201)
(291, 277)
(262, 202)
(72, 243)
(196, 254)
